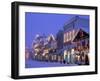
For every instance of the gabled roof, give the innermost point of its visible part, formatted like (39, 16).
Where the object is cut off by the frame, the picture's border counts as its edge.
(80, 35)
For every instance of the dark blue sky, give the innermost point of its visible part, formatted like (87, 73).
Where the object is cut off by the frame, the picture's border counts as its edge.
(44, 23)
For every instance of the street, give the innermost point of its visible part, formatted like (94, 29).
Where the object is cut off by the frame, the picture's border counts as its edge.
(37, 64)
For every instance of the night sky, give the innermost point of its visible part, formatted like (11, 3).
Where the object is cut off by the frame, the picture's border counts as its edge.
(45, 23)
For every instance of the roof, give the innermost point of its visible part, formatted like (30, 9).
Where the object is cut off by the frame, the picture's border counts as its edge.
(79, 34)
(77, 22)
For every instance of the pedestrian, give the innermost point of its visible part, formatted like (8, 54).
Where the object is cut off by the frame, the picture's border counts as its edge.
(86, 59)
(72, 56)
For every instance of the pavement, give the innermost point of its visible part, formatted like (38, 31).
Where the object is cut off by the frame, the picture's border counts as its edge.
(37, 64)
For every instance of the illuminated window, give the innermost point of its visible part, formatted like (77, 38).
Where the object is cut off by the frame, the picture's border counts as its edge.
(68, 36)
(64, 37)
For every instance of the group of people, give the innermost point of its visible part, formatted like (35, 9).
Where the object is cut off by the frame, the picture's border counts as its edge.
(49, 58)
(78, 55)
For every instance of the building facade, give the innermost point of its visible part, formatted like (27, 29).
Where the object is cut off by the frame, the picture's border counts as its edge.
(76, 42)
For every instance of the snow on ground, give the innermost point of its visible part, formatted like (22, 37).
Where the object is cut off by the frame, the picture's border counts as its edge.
(36, 64)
